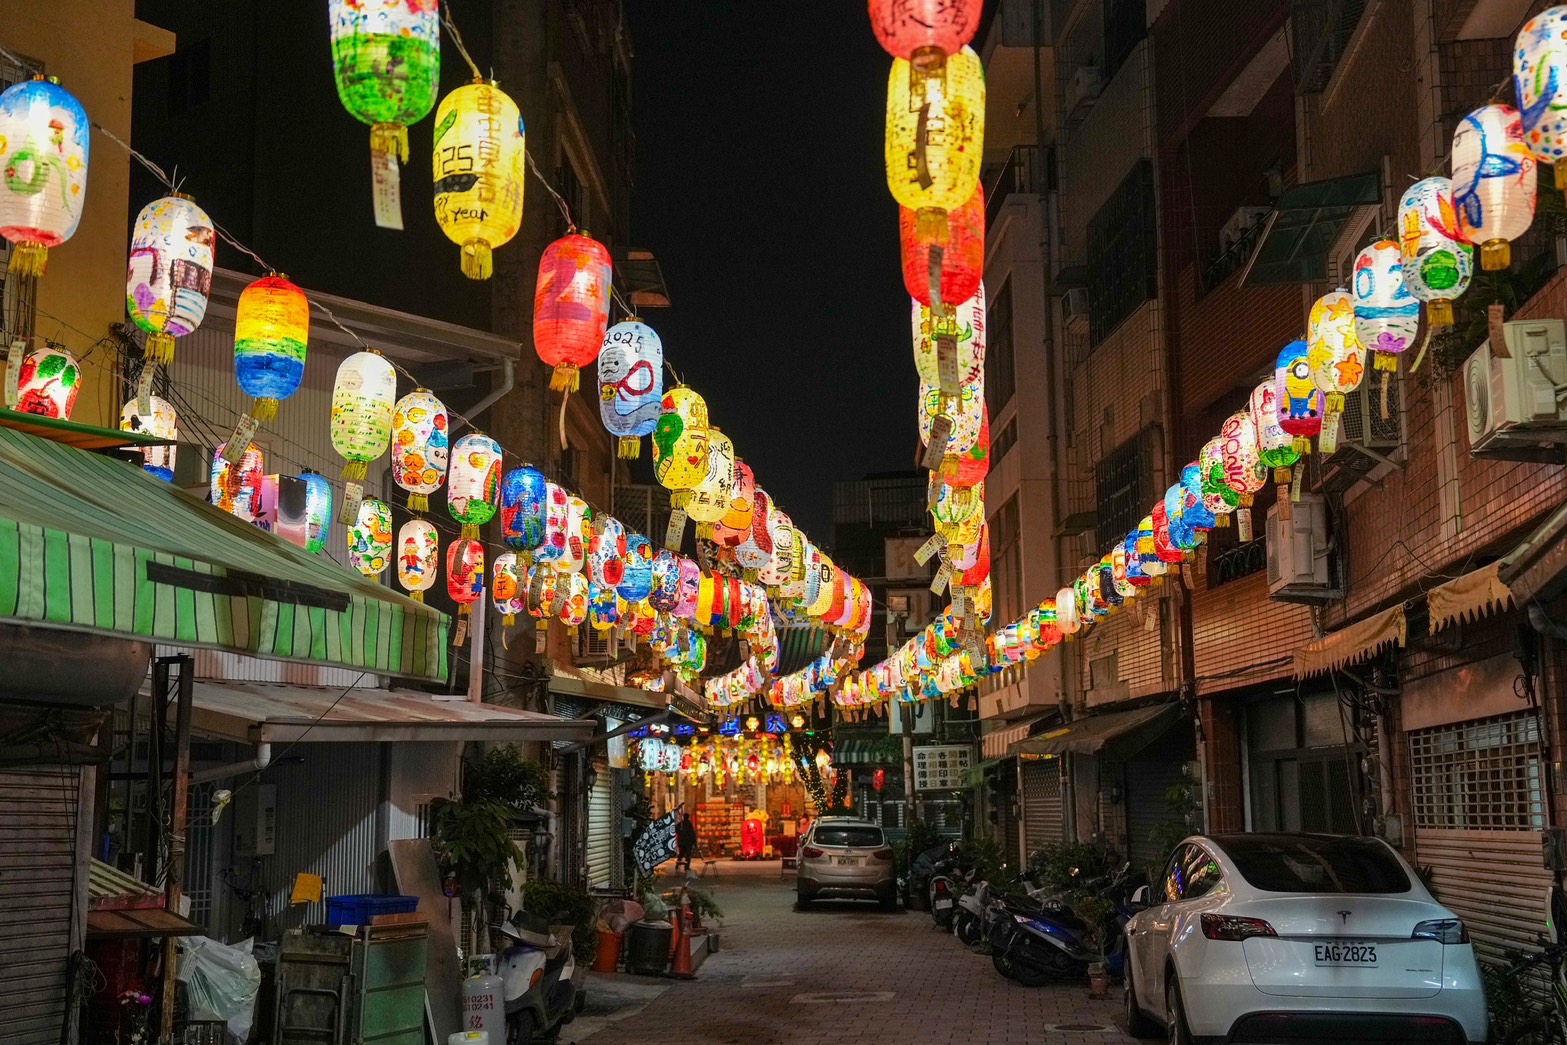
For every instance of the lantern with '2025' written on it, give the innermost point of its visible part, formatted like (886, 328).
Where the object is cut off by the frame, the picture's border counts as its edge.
(169, 277)
(1437, 262)
(370, 538)
(571, 306)
(1387, 316)
(363, 398)
(465, 574)
(473, 491)
(271, 329)
(935, 136)
(43, 155)
(418, 557)
(631, 383)
(420, 446)
(479, 162)
(1493, 182)
(386, 60)
(1244, 471)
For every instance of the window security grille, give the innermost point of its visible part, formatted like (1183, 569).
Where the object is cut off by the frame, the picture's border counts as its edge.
(1481, 775)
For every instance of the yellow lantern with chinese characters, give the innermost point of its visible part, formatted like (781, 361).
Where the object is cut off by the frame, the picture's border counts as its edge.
(935, 136)
(479, 162)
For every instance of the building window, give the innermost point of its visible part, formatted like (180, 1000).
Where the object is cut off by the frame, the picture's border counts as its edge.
(1122, 253)
(1006, 558)
(1000, 371)
(1122, 489)
(1233, 561)
(1002, 441)
(1126, 23)
(1481, 775)
(1319, 37)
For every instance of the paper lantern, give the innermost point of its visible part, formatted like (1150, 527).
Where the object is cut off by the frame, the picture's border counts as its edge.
(948, 257)
(966, 411)
(755, 551)
(318, 511)
(1493, 182)
(636, 581)
(479, 162)
(271, 328)
(473, 491)
(1437, 262)
(781, 537)
(631, 383)
(421, 434)
(1274, 445)
(906, 28)
(545, 584)
(576, 595)
(710, 498)
(571, 306)
(1300, 401)
(1067, 621)
(556, 512)
(1217, 495)
(236, 486)
(936, 136)
(386, 60)
(418, 557)
(1196, 512)
(603, 607)
(1244, 472)
(680, 451)
(47, 382)
(1387, 316)
(1338, 362)
(1540, 76)
(465, 574)
(690, 589)
(607, 553)
(370, 538)
(160, 422)
(169, 278)
(735, 525)
(363, 397)
(577, 515)
(664, 591)
(965, 325)
(506, 588)
(43, 155)
(524, 499)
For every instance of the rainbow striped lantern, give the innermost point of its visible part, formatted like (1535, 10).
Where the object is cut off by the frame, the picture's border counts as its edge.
(271, 329)
(505, 588)
(1493, 182)
(43, 154)
(48, 382)
(370, 538)
(1387, 316)
(160, 423)
(1217, 496)
(465, 574)
(420, 446)
(363, 400)
(1244, 472)
(473, 491)
(1437, 262)
(631, 383)
(571, 306)
(524, 509)
(169, 277)
(1338, 362)
(1300, 403)
(479, 162)
(1540, 75)
(418, 557)
(318, 511)
(235, 487)
(935, 136)
(1276, 448)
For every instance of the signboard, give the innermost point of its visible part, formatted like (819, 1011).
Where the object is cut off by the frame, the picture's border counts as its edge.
(941, 768)
(924, 717)
(656, 845)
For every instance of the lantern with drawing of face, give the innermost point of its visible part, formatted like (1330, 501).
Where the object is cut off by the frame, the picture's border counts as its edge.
(418, 557)
(711, 498)
(631, 383)
(473, 491)
(169, 278)
(420, 447)
(370, 538)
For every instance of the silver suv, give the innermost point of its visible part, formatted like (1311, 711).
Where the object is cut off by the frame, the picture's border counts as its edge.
(843, 857)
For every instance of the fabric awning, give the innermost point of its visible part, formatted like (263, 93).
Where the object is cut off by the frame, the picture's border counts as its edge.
(88, 543)
(1468, 598)
(1354, 643)
(1117, 734)
(257, 711)
(995, 745)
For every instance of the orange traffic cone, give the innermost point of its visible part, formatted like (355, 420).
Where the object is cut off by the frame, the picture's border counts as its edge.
(680, 967)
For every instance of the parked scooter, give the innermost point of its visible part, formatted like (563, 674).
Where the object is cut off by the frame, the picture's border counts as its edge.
(536, 974)
(977, 908)
(945, 886)
(1035, 945)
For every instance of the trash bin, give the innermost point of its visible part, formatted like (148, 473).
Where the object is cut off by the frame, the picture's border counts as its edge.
(647, 947)
(607, 957)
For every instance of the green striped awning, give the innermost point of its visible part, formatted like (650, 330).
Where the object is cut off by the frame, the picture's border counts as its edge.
(88, 543)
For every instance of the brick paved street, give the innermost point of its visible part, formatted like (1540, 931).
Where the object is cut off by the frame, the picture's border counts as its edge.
(920, 985)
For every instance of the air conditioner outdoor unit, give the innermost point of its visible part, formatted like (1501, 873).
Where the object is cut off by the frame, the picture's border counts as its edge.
(1074, 310)
(1239, 224)
(1082, 92)
(1365, 438)
(1298, 551)
(1515, 404)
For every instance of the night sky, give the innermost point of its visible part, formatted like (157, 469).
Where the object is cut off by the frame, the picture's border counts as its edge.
(760, 188)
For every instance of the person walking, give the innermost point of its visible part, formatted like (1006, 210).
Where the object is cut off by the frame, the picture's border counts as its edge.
(685, 841)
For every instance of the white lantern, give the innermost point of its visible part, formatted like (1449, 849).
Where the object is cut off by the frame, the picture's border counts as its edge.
(1493, 182)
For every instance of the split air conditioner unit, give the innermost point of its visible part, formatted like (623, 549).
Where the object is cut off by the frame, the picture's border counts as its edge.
(1082, 92)
(1074, 311)
(1239, 224)
(1517, 404)
(1298, 551)
(1366, 439)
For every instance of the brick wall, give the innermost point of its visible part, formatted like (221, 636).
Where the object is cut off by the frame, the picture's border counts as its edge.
(1126, 656)
(1200, 47)
(1240, 636)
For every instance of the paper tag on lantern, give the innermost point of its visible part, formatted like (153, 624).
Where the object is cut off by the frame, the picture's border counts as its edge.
(1496, 330)
(959, 601)
(1327, 439)
(1243, 525)
(936, 449)
(701, 558)
(144, 389)
(13, 373)
(675, 532)
(239, 442)
(929, 548)
(943, 575)
(541, 637)
(935, 260)
(353, 497)
(1299, 482)
(947, 363)
(461, 636)
(386, 190)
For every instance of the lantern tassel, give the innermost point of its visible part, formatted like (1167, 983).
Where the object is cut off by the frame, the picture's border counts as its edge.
(470, 531)
(418, 502)
(355, 471)
(29, 259)
(266, 410)
(630, 448)
(477, 260)
(1495, 255)
(159, 348)
(417, 596)
(390, 139)
(1439, 314)
(1222, 521)
(1281, 476)
(508, 619)
(1385, 362)
(465, 610)
(566, 378)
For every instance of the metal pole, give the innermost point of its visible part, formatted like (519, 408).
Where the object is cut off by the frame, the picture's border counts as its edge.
(476, 653)
(908, 764)
(178, 812)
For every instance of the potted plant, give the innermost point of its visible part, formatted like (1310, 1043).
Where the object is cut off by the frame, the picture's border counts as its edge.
(1095, 911)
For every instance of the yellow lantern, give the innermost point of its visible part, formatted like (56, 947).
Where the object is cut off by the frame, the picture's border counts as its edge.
(479, 162)
(935, 136)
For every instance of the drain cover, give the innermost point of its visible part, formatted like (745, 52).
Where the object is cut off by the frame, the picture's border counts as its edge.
(1078, 1026)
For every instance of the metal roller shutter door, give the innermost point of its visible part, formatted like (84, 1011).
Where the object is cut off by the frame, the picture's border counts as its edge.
(1146, 808)
(1493, 880)
(1043, 821)
(601, 826)
(37, 891)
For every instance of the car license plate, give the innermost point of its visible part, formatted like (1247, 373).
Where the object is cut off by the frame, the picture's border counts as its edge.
(942, 905)
(1352, 955)
(849, 861)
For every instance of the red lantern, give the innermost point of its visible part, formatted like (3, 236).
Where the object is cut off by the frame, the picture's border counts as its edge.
(571, 306)
(961, 239)
(906, 27)
(878, 779)
(465, 574)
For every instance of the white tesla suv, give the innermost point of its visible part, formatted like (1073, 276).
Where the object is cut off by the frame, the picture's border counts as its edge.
(1283, 937)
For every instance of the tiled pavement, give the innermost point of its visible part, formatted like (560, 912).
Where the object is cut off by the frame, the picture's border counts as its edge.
(875, 977)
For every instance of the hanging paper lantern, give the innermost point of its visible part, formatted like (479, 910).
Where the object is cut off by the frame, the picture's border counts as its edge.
(1275, 447)
(571, 306)
(370, 538)
(160, 423)
(735, 525)
(905, 28)
(1338, 362)
(48, 382)
(465, 574)
(1195, 512)
(1540, 75)
(966, 412)
(386, 60)
(1493, 182)
(473, 492)
(636, 581)
(578, 515)
(603, 608)
(1067, 620)
(680, 450)
(479, 163)
(420, 446)
(664, 593)
(43, 155)
(524, 495)
(690, 589)
(235, 487)
(631, 383)
(506, 588)
(781, 537)
(1300, 402)
(1218, 496)
(935, 136)
(710, 498)
(607, 553)
(1437, 262)
(271, 328)
(970, 467)
(1244, 471)
(418, 557)
(575, 599)
(318, 511)
(755, 551)
(556, 510)
(169, 277)
(1386, 315)
(545, 583)
(363, 397)
(965, 324)
(960, 264)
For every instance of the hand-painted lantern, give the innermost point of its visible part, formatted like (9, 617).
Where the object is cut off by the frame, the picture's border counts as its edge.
(524, 508)
(1274, 445)
(755, 551)
(575, 599)
(370, 538)
(465, 574)
(970, 467)
(1244, 472)
(418, 557)
(386, 59)
(318, 511)
(912, 28)
(1300, 402)
(1540, 76)
(607, 552)
(479, 164)
(1386, 315)
(966, 412)
(1437, 262)
(473, 490)
(578, 516)
(680, 451)
(271, 329)
(965, 325)
(826, 572)
(735, 525)
(935, 136)
(781, 536)
(1195, 512)
(545, 585)
(948, 257)
(1067, 620)
(631, 383)
(710, 499)
(636, 581)
(1338, 362)
(47, 383)
(506, 588)
(237, 484)
(1493, 182)
(690, 589)
(161, 422)
(421, 447)
(363, 398)
(169, 277)
(1217, 495)
(603, 607)
(43, 155)
(571, 306)
(1164, 536)
(664, 592)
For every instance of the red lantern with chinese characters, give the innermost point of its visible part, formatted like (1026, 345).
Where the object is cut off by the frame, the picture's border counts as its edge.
(906, 28)
(465, 574)
(879, 779)
(571, 306)
(956, 271)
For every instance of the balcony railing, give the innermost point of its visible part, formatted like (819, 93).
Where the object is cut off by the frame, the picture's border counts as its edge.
(1240, 561)
(1029, 170)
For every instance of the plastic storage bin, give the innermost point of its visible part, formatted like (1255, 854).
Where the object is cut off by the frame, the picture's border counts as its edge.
(359, 909)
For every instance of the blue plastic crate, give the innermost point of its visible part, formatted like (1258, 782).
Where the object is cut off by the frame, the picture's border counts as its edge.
(359, 909)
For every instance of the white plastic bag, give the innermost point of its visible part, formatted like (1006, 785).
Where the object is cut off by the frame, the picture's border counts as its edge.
(221, 983)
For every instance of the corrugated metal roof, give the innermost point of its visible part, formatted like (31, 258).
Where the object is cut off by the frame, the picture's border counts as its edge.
(109, 888)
